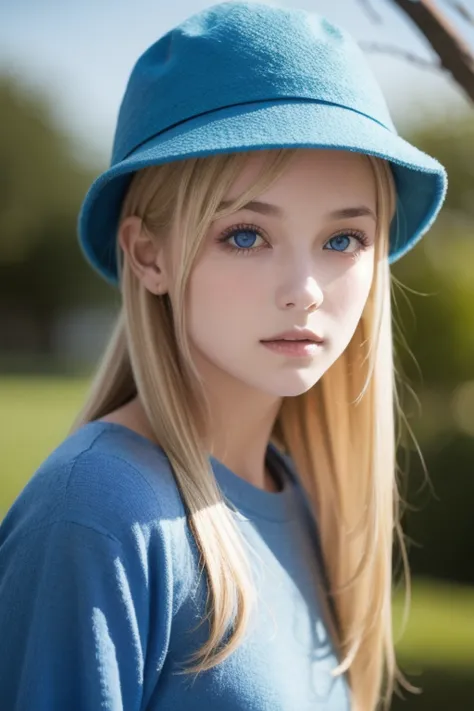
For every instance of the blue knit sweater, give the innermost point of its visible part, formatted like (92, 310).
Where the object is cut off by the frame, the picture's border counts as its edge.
(100, 591)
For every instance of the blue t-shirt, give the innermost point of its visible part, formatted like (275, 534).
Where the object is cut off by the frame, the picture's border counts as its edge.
(101, 594)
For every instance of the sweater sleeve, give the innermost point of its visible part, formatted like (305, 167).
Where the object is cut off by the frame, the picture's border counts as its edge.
(74, 622)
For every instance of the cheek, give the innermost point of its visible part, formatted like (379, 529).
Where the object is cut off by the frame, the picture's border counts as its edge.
(222, 299)
(347, 296)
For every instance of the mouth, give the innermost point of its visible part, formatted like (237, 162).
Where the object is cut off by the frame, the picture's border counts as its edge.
(289, 340)
(305, 335)
(314, 341)
(298, 348)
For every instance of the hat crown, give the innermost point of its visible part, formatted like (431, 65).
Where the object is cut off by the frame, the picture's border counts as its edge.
(238, 53)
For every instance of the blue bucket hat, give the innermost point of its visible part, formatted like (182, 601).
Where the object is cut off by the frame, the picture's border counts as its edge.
(243, 76)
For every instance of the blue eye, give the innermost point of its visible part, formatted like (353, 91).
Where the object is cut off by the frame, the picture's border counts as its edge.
(342, 240)
(244, 237)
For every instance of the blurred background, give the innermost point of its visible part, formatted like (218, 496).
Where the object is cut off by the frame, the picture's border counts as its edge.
(63, 70)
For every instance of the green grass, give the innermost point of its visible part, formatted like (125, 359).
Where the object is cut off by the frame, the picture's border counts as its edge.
(36, 414)
(440, 627)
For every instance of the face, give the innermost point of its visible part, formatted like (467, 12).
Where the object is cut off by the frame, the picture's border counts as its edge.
(302, 263)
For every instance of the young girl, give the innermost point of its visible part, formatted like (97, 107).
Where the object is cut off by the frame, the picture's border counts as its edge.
(216, 530)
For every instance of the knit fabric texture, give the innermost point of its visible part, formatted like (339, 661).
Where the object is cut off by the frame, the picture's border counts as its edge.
(101, 593)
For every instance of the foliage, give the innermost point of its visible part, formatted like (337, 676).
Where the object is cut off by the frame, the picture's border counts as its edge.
(42, 185)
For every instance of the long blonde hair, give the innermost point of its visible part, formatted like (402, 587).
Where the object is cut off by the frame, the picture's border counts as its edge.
(340, 434)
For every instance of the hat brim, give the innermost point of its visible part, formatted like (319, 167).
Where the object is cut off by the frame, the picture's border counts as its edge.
(421, 180)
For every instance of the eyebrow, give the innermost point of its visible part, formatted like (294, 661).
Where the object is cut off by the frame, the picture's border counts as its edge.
(266, 208)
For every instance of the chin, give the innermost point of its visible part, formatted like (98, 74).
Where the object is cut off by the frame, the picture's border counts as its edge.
(289, 386)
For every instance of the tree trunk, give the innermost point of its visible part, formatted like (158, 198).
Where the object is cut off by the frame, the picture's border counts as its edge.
(452, 50)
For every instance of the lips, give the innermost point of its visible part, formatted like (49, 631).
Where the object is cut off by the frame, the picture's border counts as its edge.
(289, 340)
(295, 334)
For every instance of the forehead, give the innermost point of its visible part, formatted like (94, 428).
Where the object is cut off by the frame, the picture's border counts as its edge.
(312, 171)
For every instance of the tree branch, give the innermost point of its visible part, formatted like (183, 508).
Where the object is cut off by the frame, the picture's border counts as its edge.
(402, 53)
(453, 52)
(463, 11)
(371, 12)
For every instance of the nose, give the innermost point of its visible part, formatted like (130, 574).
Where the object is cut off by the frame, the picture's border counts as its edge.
(304, 293)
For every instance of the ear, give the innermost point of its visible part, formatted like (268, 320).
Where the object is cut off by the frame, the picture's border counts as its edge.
(145, 257)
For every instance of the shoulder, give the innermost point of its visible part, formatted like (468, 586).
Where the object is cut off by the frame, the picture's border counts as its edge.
(103, 477)
(107, 484)
(89, 564)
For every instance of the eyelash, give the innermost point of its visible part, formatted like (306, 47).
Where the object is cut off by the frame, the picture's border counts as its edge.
(361, 237)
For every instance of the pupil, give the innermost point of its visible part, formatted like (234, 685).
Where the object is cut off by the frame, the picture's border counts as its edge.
(248, 236)
(341, 237)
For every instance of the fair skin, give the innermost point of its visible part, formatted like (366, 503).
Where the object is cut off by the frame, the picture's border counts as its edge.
(305, 270)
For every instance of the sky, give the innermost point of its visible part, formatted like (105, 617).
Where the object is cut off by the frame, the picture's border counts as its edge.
(81, 55)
